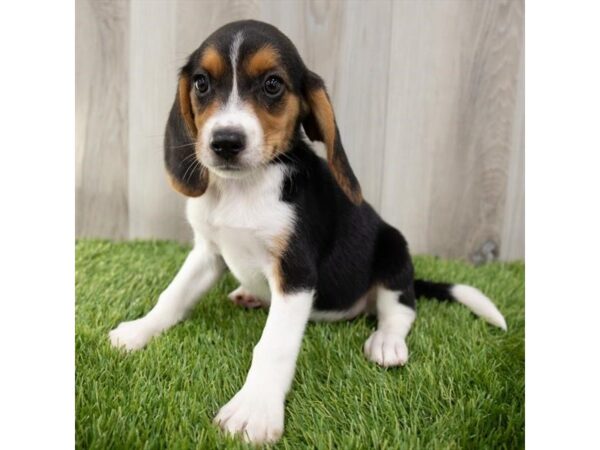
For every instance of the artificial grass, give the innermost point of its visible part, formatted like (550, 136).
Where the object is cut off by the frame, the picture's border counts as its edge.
(463, 386)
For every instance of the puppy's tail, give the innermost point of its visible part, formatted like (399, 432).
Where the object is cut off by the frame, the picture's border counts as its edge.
(469, 296)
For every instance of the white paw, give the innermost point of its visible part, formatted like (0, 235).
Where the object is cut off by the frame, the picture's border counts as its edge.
(254, 414)
(131, 335)
(242, 297)
(386, 349)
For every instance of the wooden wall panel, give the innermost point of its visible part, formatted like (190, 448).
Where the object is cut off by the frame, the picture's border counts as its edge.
(101, 134)
(513, 232)
(428, 97)
(452, 112)
(156, 211)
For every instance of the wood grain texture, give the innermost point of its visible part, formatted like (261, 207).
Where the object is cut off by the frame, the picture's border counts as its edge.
(513, 229)
(156, 210)
(101, 134)
(428, 97)
(451, 115)
(332, 37)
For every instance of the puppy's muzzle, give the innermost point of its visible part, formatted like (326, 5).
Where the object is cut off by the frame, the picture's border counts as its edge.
(227, 143)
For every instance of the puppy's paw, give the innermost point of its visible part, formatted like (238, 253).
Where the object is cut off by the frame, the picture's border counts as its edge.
(242, 297)
(256, 416)
(132, 335)
(386, 349)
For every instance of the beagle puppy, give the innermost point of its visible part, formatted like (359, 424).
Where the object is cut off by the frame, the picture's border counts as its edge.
(293, 228)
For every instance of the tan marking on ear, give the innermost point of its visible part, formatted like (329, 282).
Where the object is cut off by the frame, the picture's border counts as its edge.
(321, 108)
(266, 58)
(186, 190)
(186, 110)
(278, 127)
(304, 107)
(185, 105)
(337, 167)
(213, 62)
(323, 112)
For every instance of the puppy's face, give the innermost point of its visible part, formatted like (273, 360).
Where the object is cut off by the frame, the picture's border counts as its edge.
(240, 102)
(244, 98)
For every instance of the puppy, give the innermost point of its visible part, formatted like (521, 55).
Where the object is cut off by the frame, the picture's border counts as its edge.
(291, 227)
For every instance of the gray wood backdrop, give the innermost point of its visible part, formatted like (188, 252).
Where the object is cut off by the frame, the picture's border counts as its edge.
(429, 97)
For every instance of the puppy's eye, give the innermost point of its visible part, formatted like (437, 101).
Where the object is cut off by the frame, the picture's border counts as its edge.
(201, 83)
(273, 86)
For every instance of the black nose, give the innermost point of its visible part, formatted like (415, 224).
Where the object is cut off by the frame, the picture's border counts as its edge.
(228, 142)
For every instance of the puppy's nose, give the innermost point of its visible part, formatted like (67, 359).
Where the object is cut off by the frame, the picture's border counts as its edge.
(228, 142)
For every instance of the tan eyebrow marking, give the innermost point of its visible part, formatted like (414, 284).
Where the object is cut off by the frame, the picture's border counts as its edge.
(266, 58)
(213, 62)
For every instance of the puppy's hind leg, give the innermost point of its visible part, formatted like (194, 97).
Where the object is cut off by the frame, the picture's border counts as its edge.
(246, 299)
(395, 302)
(387, 345)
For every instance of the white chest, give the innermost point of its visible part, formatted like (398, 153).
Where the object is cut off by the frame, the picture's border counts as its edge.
(241, 219)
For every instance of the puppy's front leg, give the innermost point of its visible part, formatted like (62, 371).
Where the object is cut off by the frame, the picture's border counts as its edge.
(256, 411)
(201, 269)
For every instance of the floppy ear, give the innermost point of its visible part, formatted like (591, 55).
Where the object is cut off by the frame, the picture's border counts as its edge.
(319, 125)
(186, 173)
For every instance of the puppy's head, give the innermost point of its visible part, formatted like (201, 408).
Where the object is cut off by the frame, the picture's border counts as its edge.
(241, 100)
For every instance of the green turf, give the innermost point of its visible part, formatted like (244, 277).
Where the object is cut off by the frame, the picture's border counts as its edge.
(463, 386)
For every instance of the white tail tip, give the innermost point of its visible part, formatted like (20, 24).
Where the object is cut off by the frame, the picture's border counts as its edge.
(477, 302)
